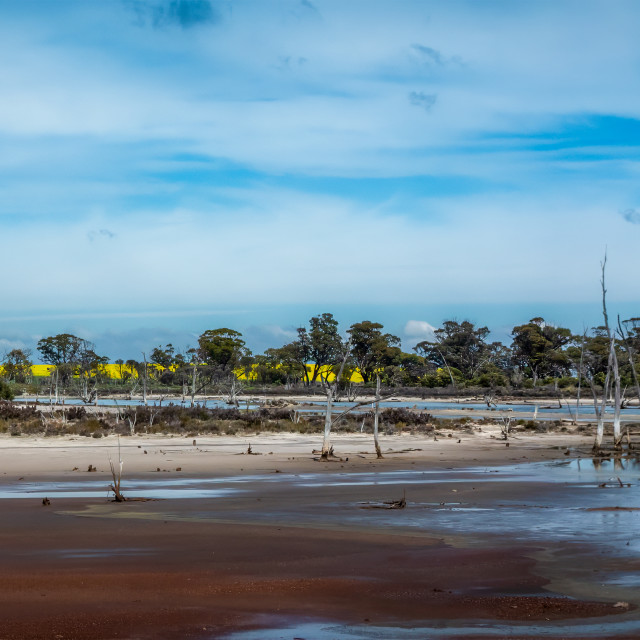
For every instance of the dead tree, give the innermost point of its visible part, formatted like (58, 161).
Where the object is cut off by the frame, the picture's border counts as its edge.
(88, 395)
(132, 418)
(235, 388)
(53, 385)
(505, 426)
(612, 367)
(376, 418)
(584, 335)
(145, 373)
(153, 412)
(330, 388)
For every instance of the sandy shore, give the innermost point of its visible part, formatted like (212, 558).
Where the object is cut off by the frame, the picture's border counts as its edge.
(285, 547)
(38, 456)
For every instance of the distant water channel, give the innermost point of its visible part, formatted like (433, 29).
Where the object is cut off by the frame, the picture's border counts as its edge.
(545, 411)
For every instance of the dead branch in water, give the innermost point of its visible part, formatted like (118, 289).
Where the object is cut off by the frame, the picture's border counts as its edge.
(391, 504)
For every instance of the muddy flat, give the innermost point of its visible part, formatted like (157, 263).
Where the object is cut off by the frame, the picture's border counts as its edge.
(494, 542)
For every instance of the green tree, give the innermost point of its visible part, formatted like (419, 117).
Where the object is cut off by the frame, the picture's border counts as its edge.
(6, 392)
(326, 348)
(319, 346)
(166, 363)
(17, 365)
(538, 349)
(69, 355)
(372, 350)
(223, 350)
(457, 345)
(288, 361)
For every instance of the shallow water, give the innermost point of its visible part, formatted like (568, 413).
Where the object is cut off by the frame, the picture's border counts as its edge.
(436, 630)
(210, 403)
(552, 505)
(461, 409)
(99, 488)
(457, 410)
(562, 503)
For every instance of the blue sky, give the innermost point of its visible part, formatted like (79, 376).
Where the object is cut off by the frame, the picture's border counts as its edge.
(169, 166)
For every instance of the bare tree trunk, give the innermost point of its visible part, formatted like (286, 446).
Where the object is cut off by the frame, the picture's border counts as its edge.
(597, 445)
(193, 384)
(326, 441)
(612, 364)
(132, 421)
(328, 418)
(617, 434)
(584, 335)
(232, 398)
(453, 384)
(144, 379)
(376, 418)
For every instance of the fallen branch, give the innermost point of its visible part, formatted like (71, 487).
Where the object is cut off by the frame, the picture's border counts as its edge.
(391, 504)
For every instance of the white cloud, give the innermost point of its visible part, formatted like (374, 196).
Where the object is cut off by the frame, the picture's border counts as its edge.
(419, 330)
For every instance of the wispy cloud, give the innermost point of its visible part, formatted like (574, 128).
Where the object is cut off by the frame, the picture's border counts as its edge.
(101, 234)
(429, 54)
(185, 14)
(421, 99)
(631, 215)
(309, 5)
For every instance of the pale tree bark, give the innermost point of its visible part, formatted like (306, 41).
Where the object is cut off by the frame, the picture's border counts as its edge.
(580, 367)
(330, 389)
(599, 411)
(326, 440)
(194, 377)
(617, 398)
(612, 365)
(376, 419)
(144, 379)
(235, 389)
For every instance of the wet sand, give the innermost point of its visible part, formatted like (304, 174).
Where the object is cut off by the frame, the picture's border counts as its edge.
(286, 549)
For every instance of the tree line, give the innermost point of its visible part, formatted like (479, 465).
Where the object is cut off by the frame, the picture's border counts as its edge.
(459, 355)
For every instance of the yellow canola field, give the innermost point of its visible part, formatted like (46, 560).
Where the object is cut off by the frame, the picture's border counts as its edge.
(120, 371)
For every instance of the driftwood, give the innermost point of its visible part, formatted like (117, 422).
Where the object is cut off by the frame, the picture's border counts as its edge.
(391, 504)
(621, 485)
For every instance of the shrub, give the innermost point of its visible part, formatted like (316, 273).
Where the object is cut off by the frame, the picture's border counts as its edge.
(6, 391)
